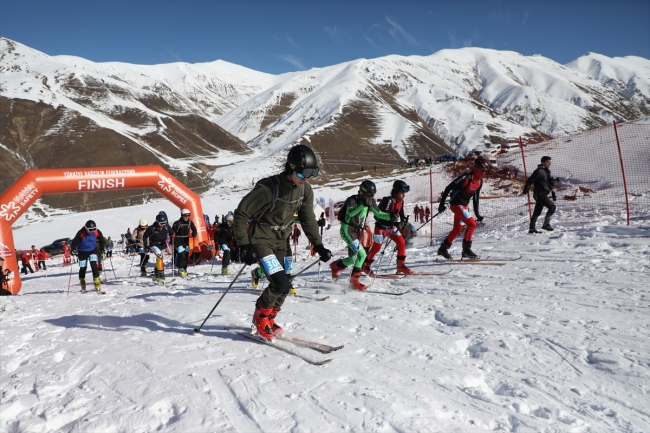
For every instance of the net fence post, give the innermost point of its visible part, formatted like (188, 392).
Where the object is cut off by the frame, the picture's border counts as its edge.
(431, 204)
(620, 157)
(523, 159)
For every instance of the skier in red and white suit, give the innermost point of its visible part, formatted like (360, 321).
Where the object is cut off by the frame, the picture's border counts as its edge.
(394, 205)
(465, 187)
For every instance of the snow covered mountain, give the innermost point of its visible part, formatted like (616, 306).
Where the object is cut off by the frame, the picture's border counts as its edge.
(207, 123)
(65, 111)
(465, 98)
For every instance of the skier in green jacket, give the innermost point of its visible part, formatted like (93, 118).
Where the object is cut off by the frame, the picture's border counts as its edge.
(352, 217)
(263, 223)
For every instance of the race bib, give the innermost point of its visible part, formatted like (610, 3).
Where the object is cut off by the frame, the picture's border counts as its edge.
(92, 258)
(157, 252)
(377, 239)
(355, 245)
(141, 250)
(288, 265)
(82, 263)
(271, 264)
(181, 250)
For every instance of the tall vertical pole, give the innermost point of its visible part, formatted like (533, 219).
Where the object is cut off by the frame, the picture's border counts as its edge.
(431, 205)
(523, 158)
(620, 157)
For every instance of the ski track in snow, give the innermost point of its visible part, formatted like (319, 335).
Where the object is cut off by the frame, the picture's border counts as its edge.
(557, 341)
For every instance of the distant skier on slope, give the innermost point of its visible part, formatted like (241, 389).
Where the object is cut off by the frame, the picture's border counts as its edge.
(543, 184)
(394, 205)
(183, 228)
(88, 245)
(137, 239)
(352, 217)
(465, 187)
(263, 223)
(223, 239)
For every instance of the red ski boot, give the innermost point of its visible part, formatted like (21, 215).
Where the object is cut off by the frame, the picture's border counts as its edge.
(354, 280)
(276, 328)
(366, 268)
(336, 267)
(262, 323)
(401, 266)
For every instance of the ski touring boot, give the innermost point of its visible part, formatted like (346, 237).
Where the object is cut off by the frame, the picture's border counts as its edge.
(97, 281)
(336, 268)
(547, 225)
(444, 250)
(261, 321)
(255, 278)
(225, 271)
(366, 268)
(401, 266)
(159, 277)
(354, 280)
(143, 272)
(82, 283)
(467, 251)
(182, 273)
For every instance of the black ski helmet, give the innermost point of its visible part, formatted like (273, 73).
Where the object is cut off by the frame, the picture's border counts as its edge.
(481, 163)
(302, 160)
(400, 186)
(90, 225)
(368, 188)
(160, 219)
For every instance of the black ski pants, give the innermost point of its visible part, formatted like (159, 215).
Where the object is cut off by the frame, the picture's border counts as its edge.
(84, 258)
(542, 201)
(272, 260)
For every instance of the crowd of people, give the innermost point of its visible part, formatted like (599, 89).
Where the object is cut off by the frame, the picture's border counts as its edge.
(259, 231)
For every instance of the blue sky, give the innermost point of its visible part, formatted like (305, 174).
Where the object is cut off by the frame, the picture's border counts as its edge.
(282, 36)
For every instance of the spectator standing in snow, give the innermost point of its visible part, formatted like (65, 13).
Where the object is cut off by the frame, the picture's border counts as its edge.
(416, 213)
(543, 184)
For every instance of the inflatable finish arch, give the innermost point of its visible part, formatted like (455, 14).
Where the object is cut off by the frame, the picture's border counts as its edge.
(34, 183)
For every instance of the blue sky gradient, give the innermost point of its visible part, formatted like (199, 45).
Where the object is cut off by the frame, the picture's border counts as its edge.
(282, 36)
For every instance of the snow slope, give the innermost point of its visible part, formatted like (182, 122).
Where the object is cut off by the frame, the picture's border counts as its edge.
(554, 342)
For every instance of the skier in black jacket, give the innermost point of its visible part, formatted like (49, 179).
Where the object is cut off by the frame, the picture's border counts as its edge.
(182, 229)
(155, 240)
(224, 239)
(543, 185)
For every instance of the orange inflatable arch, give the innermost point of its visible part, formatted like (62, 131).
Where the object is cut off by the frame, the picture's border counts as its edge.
(34, 183)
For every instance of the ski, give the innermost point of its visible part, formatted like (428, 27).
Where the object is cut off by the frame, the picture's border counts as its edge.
(314, 345)
(383, 292)
(312, 298)
(99, 292)
(388, 276)
(282, 348)
(474, 262)
(421, 274)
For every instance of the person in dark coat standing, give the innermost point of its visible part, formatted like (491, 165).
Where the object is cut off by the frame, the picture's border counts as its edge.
(543, 186)
(224, 239)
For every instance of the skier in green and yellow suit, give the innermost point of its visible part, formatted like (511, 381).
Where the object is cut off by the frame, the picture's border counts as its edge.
(352, 217)
(263, 223)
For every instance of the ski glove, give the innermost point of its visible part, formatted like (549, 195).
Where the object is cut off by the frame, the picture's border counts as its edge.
(250, 256)
(103, 256)
(402, 225)
(394, 217)
(324, 253)
(479, 218)
(442, 207)
(74, 252)
(553, 195)
(369, 201)
(525, 190)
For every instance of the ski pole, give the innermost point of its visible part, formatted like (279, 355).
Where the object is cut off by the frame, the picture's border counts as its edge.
(304, 269)
(197, 330)
(112, 267)
(131, 267)
(69, 280)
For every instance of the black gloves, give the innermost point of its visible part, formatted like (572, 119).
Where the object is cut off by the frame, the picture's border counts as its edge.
(394, 217)
(442, 207)
(324, 253)
(479, 218)
(250, 256)
(322, 222)
(553, 195)
(74, 252)
(525, 191)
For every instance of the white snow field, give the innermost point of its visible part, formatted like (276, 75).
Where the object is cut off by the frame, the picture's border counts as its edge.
(554, 342)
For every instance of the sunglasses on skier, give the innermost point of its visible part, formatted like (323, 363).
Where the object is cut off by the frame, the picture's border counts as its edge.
(307, 172)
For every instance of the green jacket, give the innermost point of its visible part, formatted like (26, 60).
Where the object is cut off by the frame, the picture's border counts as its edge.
(355, 215)
(275, 225)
